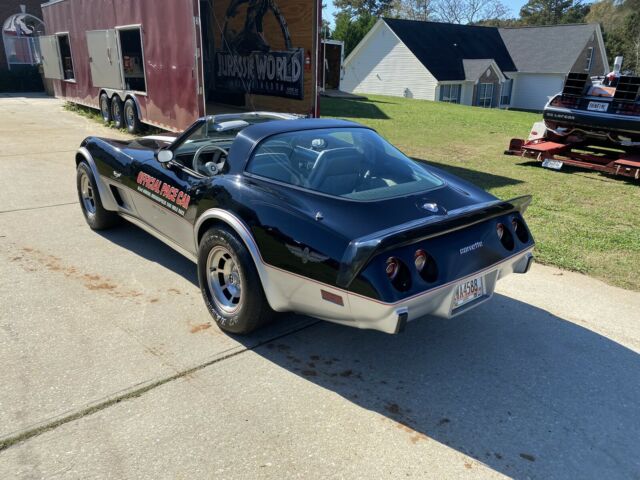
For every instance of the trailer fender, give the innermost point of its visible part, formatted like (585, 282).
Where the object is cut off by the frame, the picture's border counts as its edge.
(133, 97)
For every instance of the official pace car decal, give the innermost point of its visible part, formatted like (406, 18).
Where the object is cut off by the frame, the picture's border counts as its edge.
(163, 193)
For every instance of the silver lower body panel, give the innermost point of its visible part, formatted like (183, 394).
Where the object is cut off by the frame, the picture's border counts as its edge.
(288, 292)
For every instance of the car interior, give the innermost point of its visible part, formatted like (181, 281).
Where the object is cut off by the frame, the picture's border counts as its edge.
(347, 162)
(336, 162)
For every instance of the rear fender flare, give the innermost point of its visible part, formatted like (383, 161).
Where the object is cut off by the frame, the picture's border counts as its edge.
(108, 202)
(274, 296)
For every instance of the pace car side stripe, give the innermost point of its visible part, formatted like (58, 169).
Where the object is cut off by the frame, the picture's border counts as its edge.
(246, 235)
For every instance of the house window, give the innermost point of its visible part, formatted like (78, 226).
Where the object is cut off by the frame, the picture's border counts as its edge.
(485, 95)
(505, 92)
(65, 56)
(589, 59)
(450, 93)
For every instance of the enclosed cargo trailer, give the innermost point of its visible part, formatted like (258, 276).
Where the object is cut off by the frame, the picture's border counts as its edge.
(167, 62)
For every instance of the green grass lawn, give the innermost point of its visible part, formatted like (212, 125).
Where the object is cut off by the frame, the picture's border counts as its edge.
(582, 221)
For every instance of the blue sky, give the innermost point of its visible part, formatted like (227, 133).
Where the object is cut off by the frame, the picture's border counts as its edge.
(514, 5)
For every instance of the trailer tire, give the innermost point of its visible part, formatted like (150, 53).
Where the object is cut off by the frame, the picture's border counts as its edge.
(131, 118)
(117, 116)
(105, 108)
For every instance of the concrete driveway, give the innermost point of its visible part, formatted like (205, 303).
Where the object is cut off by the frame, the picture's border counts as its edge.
(111, 367)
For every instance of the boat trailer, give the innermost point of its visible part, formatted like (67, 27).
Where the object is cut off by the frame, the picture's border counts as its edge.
(576, 153)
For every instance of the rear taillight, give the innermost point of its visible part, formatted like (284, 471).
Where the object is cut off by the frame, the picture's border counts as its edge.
(566, 101)
(398, 274)
(420, 259)
(505, 237)
(393, 267)
(520, 229)
(426, 266)
(627, 108)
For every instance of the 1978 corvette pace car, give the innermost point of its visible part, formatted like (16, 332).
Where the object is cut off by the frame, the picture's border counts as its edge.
(316, 216)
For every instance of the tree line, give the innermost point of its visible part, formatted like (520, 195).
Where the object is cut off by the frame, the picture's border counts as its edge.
(619, 19)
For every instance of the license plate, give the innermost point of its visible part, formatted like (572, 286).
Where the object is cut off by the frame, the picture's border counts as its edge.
(552, 164)
(598, 106)
(468, 291)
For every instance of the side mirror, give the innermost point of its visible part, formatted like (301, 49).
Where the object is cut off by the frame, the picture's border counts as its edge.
(164, 156)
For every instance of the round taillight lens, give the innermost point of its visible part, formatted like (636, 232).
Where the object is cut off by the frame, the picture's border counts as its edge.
(420, 259)
(520, 229)
(392, 268)
(500, 230)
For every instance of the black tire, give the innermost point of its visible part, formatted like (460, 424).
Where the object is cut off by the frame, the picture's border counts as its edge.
(105, 108)
(117, 116)
(131, 118)
(94, 213)
(252, 310)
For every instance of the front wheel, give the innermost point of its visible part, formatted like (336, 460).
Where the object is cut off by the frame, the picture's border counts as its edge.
(230, 283)
(95, 214)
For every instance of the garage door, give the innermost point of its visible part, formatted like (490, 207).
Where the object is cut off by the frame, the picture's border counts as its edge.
(532, 91)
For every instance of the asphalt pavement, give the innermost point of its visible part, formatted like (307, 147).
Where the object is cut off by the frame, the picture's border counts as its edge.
(112, 368)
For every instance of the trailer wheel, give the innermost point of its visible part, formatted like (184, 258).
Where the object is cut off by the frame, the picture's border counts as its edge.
(131, 116)
(105, 108)
(116, 112)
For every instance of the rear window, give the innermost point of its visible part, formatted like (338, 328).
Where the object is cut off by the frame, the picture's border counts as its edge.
(353, 163)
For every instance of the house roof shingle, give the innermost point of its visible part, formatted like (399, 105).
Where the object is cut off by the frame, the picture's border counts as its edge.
(454, 43)
(548, 49)
(454, 52)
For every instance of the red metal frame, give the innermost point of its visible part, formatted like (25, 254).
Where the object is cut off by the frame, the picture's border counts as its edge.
(579, 154)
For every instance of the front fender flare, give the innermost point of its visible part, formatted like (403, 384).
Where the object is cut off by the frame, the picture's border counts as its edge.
(108, 202)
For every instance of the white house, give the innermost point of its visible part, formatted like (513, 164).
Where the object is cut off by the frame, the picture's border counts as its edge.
(473, 65)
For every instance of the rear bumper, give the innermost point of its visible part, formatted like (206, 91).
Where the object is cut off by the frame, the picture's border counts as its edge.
(391, 318)
(567, 117)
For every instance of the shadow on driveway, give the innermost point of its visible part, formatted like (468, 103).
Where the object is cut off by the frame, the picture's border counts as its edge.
(522, 391)
(141, 243)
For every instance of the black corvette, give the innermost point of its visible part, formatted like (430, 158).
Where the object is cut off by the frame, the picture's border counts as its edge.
(320, 217)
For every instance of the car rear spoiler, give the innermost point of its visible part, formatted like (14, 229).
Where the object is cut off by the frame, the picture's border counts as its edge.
(361, 250)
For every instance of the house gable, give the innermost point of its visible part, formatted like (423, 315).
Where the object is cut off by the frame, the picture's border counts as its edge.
(382, 64)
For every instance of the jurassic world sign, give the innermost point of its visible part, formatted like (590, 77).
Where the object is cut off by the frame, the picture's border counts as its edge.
(256, 53)
(274, 73)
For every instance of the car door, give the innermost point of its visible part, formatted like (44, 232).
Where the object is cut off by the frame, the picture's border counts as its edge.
(167, 198)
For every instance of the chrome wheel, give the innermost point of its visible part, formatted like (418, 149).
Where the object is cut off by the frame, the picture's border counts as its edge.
(224, 279)
(86, 192)
(104, 108)
(117, 113)
(129, 115)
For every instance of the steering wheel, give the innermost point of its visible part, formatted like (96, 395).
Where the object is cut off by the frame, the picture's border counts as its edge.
(209, 168)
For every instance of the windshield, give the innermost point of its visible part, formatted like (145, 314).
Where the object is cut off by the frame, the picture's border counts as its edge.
(352, 163)
(220, 129)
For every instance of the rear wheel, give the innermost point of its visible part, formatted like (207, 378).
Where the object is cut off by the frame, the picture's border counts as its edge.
(230, 283)
(105, 108)
(94, 213)
(116, 112)
(131, 116)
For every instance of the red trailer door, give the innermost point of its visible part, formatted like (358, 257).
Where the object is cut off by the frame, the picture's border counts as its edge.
(104, 59)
